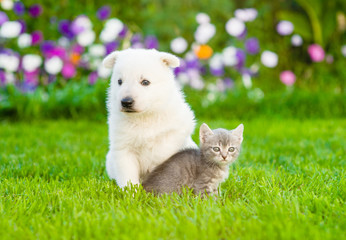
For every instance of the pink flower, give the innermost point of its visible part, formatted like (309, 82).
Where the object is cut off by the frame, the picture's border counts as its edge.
(37, 37)
(316, 52)
(68, 70)
(288, 78)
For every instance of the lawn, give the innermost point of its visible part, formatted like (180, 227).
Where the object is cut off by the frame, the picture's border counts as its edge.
(289, 183)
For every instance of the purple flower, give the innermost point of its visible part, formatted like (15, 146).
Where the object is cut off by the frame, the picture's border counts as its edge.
(35, 10)
(123, 32)
(151, 42)
(137, 45)
(218, 72)
(57, 51)
(246, 71)
(46, 47)
(136, 38)
(181, 68)
(79, 24)
(241, 57)
(30, 81)
(64, 28)
(228, 82)
(193, 63)
(3, 17)
(77, 48)
(51, 78)
(103, 12)
(252, 46)
(111, 46)
(37, 37)
(22, 22)
(19, 8)
(2, 78)
(92, 78)
(242, 35)
(73, 27)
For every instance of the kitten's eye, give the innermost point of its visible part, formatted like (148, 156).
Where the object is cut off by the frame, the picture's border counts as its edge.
(145, 82)
(231, 149)
(120, 82)
(216, 149)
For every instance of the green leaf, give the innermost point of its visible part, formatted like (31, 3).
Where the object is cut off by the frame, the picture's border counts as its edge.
(300, 21)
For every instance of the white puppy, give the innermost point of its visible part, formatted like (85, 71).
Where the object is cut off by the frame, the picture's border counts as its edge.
(148, 117)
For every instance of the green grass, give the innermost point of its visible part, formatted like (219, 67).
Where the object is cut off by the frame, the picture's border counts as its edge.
(289, 183)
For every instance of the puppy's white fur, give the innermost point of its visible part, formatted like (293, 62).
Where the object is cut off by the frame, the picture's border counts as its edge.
(162, 123)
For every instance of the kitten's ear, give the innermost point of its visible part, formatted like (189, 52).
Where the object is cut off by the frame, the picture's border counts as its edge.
(204, 132)
(109, 60)
(238, 132)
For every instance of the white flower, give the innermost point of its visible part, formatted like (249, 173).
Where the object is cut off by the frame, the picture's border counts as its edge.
(12, 63)
(178, 45)
(183, 78)
(103, 72)
(254, 68)
(86, 38)
(202, 18)
(97, 50)
(9, 62)
(111, 30)
(216, 62)
(53, 65)
(247, 81)
(10, 29)
(235, 27)
(229, 56)
(205, 32)
(7, 4)
(269, 59)
(246, 15)
(82, 22)
(256, 95)
(10, 78)
(284, 28)
(64, 42)
(296, 40)
(343, 50)
(24, 40)
(31, 62)
(195, 79)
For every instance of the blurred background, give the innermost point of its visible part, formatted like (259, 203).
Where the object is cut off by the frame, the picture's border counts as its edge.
(240, 59)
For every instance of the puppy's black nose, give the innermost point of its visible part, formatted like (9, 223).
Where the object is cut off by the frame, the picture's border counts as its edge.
(127, 102)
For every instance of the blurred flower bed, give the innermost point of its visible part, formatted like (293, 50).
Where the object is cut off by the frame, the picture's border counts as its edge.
(34, 64)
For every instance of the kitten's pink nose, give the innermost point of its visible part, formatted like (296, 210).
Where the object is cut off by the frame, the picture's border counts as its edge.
(224, 157)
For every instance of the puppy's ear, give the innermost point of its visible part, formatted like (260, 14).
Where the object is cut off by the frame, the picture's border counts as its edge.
(204, 133)
(109, 60)
(169, 60)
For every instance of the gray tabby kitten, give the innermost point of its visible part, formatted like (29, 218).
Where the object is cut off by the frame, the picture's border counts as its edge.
(200, 169)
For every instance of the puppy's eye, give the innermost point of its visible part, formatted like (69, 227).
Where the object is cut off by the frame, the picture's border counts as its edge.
(231, 149)
(120, 82)
(216, 149)
(145, 82)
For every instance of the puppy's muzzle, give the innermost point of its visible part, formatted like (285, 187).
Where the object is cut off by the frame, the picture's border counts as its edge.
(127, 103)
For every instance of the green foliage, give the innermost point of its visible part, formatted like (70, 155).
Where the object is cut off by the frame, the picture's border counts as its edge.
(289, 183)
(81, 100)
(76, 99)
